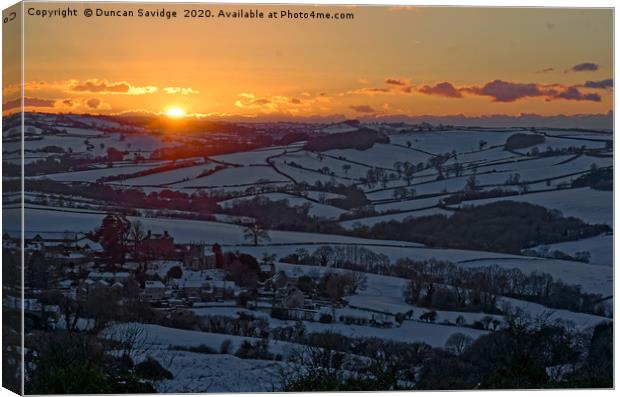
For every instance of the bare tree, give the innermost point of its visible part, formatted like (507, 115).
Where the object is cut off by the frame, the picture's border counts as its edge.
(408, 172)
(458, 342)
(256, 233)
(137, 235)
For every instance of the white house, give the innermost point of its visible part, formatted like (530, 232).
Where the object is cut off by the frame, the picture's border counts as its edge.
(153, 290)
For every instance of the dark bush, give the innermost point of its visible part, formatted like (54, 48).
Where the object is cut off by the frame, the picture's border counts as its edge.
(521, 140)
(151, 369)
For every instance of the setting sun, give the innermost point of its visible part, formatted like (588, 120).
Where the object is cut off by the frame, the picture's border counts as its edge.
(175, 112)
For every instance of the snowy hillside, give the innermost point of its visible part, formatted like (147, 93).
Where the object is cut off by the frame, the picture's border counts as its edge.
(241, 254)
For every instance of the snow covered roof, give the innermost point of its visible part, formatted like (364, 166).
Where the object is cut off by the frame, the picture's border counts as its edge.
(153, 284)
(108, 275)
(193, 283)
(70, 255)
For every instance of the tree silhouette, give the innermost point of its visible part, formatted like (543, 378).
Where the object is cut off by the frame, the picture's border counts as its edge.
(113, 235)
(137, 235)
(255, 233)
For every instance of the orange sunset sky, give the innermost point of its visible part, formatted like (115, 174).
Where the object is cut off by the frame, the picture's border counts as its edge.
(387, 61)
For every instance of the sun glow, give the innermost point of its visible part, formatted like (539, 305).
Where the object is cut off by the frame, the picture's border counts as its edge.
(175, 112)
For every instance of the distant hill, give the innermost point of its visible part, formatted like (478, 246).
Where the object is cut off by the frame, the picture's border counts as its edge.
(582, 121)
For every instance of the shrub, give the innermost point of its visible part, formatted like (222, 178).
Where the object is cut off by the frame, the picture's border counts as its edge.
(257, 350)
(325, 318)
(152, 369)
(225, 347)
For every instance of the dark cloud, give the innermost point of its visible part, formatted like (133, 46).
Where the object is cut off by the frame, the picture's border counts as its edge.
(295, 101)
(498, 90)
(68, 102)
(607, 83)
(584, 67)
(504, 91)
(395, 82)
(546, 70)
(38, 102)
(363, 109)
(573, 94)
(94, 103)
(28, 102)
(442, 89)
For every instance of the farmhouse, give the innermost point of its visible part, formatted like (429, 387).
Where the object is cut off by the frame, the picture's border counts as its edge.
(193, 288)
(153, 290)
(109, 276)
(156, 245)
(199, 257)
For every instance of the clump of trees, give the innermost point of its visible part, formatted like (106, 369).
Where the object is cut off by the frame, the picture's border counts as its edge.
(70, 362)
(503, 226)
(361, 139)
(200, 204)
(348, 256)
(258, 349)
(522, 356)
(545, 252)
(597, 178)
(521, 140)
(245, 324)
(443, 297)
(473, 194)
(444, 285)
(528, 353)
(271, 214)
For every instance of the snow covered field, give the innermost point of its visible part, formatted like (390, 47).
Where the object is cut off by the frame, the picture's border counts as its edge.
(394, 217)
(591, 277)
(304, 177)
(93, 175)
(235, 176)
(316, 209)
(592, 206)
(169, 177)
(598, 247)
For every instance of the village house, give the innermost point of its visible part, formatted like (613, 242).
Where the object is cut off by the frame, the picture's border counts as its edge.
(9, 242)
(89, 285)
(278, 281)
(199, 257)
(193, 288)
(110, 277)
(156, 245)
(153, 290)
(117, 287)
